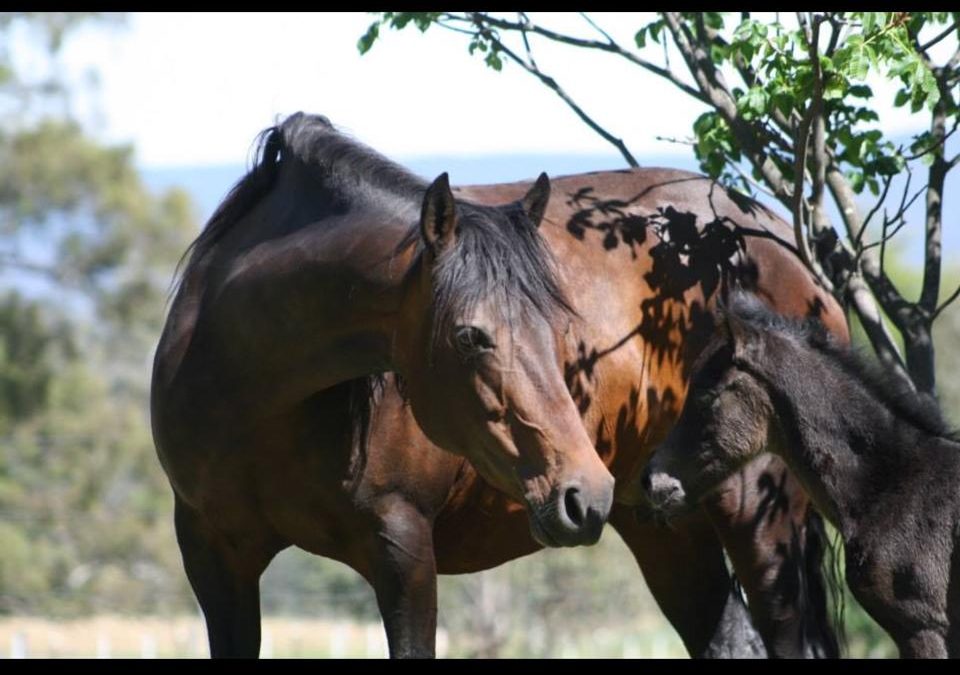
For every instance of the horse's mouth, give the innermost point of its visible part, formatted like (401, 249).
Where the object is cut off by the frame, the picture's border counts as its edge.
(662, 514)
(540, 534)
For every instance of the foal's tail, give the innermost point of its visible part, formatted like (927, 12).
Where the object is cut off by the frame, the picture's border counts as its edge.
(823, 599)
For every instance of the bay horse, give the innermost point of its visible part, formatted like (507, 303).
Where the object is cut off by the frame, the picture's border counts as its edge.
(349, 475)
(877, 459)
(328, 263)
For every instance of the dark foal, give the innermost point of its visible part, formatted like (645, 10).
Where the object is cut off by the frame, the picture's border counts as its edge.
(877, 461)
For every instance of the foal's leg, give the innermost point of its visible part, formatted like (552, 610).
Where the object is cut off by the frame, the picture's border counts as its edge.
(225, 577)
(684, 568)
(404, 577)
(923, 644)
(762, 517)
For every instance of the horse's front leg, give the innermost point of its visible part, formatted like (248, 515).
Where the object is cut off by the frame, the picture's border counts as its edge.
(684, 569)
(922, 644)
(404, 578)
(776, 544)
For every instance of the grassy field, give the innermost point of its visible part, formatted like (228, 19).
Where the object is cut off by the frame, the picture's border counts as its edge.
(185, 637)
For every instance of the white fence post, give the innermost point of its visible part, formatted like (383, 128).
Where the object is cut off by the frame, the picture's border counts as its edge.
(18, 646)
(103, 646)
(338, 640)
(148, 646)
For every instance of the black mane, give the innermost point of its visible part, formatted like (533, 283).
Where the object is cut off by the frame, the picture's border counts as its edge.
(920, 411)
(498, 254)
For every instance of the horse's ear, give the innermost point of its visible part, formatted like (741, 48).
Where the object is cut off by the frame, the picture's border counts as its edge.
(438, 217)
(740, 333)
(535, 201)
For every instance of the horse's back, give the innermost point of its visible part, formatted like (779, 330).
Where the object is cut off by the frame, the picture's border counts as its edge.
(618, 207)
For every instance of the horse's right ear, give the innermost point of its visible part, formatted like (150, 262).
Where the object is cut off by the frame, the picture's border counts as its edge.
(535, 201)
(438, 216)
(739, 332)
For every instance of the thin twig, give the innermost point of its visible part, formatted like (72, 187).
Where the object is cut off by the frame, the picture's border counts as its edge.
(597, 28)
(939, 37)
(887, 182)
(552, 84)
(750, 179)
(479, 18)
(678, 141)
(937, 144)
(943, 306)
(885, 237)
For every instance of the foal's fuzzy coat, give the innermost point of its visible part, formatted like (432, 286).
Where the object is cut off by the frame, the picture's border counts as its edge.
(877, 460)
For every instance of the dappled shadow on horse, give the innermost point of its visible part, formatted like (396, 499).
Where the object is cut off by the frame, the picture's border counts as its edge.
(876, 458)
(675, 239)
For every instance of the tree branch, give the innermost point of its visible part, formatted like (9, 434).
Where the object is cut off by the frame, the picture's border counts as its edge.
(943, 306)
(812, 119)
(719, 97)
(861, 299)
(480, 18)
(552, 84)
(938, 38)
(933, 223)
(887, 182)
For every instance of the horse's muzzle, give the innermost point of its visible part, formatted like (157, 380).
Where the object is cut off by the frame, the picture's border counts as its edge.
(665, 494)
(573, 516)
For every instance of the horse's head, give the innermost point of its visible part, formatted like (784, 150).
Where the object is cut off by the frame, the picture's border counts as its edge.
(484, 376)
(727, 420)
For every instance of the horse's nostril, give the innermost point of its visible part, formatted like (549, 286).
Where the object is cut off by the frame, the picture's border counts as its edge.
(573, 507)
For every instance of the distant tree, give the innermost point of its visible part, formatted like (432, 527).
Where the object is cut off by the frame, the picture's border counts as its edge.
(86, 260)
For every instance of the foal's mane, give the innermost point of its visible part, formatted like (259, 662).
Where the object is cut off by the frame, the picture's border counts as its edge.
(904, 402)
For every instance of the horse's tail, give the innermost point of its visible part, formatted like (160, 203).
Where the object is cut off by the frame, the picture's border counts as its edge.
(268, 148)
(823, 600)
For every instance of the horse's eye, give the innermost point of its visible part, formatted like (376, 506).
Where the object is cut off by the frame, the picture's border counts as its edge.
(471, 341)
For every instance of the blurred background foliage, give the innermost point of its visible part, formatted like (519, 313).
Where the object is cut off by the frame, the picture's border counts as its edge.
(87, 255)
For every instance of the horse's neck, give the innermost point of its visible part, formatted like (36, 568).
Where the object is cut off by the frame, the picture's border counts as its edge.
(361, 285)
(308, 301)
(818, 434)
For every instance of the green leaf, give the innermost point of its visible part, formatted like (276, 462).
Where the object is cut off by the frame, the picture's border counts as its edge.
(655, 28)
(856, 181)
(888, 165)
(718, 53)
(366, 41)
(641, 37)
(835, 87)
(713, 20)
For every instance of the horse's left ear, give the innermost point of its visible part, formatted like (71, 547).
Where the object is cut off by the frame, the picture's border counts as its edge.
(535, 201)
(438, 216)
(741, 334)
